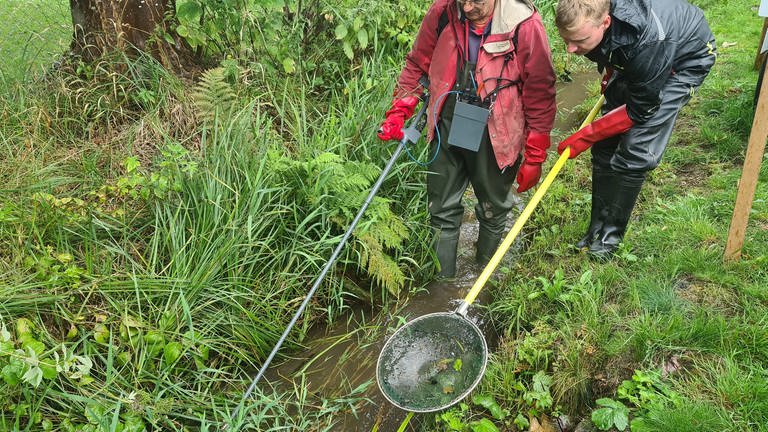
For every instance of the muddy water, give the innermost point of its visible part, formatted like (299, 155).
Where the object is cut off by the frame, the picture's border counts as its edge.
(340, 360)
(571, 95)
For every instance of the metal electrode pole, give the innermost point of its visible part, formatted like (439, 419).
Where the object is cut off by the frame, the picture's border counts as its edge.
(410, 135)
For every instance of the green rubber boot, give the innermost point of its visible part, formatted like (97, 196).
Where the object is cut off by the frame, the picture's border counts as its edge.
(486, 246)
(446, 248)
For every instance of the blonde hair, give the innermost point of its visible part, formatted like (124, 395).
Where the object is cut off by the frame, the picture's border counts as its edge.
(570, 13)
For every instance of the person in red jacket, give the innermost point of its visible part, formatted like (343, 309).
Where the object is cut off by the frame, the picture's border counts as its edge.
(491, 110)
(656, 53)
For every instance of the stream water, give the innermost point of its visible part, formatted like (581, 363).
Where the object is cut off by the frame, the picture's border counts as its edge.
(342, 357)
(340, 360)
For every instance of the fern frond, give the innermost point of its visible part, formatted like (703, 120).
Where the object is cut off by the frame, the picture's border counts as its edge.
(213, 95)
(379, 265)
(389, 229)
(340, 187)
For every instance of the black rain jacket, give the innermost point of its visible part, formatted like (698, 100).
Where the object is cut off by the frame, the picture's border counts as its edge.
(647, 42)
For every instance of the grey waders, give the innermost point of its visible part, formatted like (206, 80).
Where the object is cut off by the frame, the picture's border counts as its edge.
(620, 163)
(446, 248)
(601, 183)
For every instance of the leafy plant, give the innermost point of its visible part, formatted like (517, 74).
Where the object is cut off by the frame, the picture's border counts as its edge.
(558, 288)
(167, 177)
(647, 392)
(551, 289)
(456, 418)
(646, 389)
(190, 14)
(216, 27)
(340, 188)
(353, 34)
(612, 414)
(539, 396)
(54, 267)
(28, 361)
(535, 349)
(489, 403)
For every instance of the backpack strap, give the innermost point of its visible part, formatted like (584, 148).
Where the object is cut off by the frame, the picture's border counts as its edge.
(442, 22)
(491, 97)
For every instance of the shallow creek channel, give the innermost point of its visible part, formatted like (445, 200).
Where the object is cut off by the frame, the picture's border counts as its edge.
(339, 360)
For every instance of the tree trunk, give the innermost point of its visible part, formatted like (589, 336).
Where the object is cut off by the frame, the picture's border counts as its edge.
(130, 26)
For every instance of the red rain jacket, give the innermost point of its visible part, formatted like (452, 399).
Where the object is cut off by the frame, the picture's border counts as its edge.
(518, 109)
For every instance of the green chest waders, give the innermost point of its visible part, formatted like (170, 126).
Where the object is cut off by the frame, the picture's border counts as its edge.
(462, 128)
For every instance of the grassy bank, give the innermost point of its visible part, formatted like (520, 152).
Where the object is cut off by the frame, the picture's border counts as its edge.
(158, 234)
(668, 330)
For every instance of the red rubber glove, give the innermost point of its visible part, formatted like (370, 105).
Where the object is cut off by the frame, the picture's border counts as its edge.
(614, 123)
(392, 127)
(535, 154)
(606, 78)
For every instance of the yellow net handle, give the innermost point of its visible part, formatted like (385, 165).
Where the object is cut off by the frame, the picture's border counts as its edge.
(523, 218)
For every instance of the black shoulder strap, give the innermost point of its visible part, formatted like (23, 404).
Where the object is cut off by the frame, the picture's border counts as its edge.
(509, 83)
(515, 35)
(442, 22)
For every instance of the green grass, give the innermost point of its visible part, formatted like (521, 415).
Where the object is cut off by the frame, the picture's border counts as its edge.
(164, 232)
(36, 34)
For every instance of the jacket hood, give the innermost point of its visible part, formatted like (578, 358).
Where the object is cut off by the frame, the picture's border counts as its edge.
(628, 19)
(634, 16)
(508, 14)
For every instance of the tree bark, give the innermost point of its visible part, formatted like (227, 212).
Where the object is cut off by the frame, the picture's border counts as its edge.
(129, 26)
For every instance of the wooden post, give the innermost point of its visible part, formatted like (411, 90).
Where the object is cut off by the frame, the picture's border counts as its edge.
(749, 175)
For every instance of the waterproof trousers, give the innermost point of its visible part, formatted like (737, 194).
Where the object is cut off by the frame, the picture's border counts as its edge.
(453, 169)
(620, 165)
